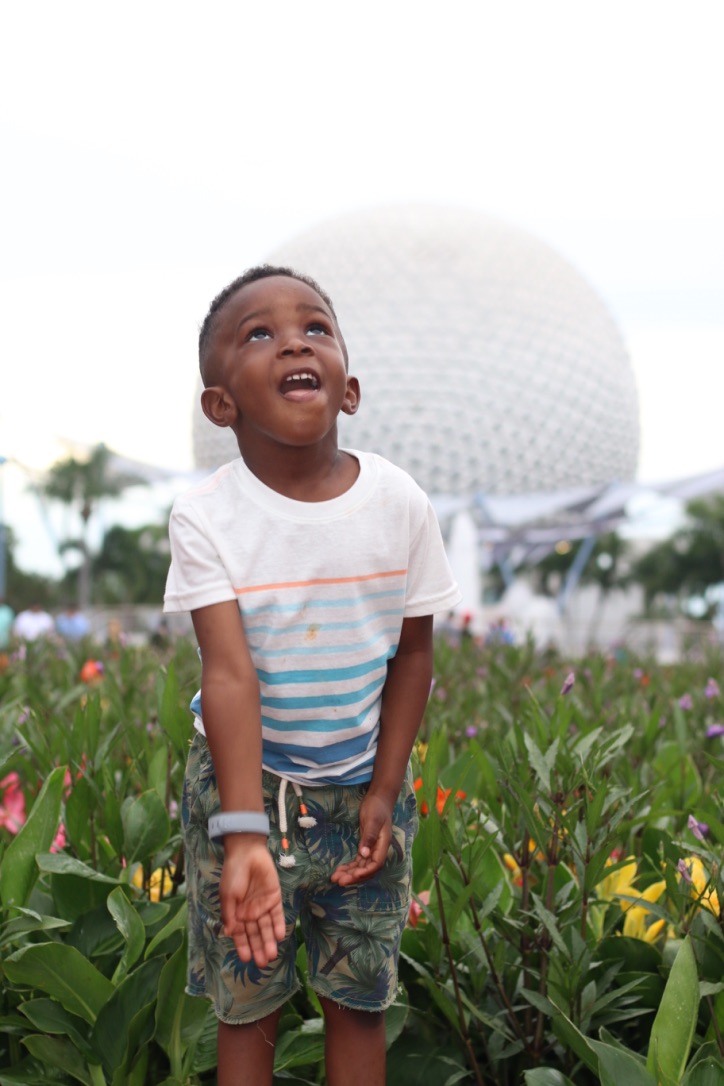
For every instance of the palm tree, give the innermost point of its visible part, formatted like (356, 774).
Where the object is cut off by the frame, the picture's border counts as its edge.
(81, 484)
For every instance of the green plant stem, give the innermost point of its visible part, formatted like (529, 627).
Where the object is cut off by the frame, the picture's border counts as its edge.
(453, 973)
(584, 893)
(546, 939)
(715, 1024)
(499, 986)
(524, 865)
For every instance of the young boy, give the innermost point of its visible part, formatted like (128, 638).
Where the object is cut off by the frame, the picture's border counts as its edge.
(312, 574)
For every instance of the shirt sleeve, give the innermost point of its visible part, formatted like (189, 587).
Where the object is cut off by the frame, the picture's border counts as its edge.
(431, 587)
(197, 577)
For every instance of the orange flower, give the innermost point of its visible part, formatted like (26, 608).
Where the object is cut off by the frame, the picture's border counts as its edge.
(441, 800)
(91, 672)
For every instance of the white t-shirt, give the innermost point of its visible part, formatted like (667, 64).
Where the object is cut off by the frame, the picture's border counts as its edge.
(30, 625)
(323, 588)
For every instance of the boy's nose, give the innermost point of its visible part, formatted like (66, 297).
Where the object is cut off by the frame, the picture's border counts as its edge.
(295, 344)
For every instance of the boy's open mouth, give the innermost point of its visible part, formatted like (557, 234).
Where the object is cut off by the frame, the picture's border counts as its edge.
(302, 381)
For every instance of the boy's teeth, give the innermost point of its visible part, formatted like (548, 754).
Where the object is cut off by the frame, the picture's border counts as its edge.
(309, 377)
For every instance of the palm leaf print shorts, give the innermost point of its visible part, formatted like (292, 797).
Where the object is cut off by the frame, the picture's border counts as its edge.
(351, 934)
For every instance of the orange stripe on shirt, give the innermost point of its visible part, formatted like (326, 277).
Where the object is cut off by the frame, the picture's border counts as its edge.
(321, 580)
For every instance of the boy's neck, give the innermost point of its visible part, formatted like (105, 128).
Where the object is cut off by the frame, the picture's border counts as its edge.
(304, 474)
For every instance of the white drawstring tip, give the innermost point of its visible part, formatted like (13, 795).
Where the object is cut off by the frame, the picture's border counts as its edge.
(306, 822)
(285, 860)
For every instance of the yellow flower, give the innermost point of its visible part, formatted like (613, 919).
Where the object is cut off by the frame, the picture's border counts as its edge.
(706, 894)
(421, 749)
(619, 882)
(160, 883)
(512, 864)
(634, 925)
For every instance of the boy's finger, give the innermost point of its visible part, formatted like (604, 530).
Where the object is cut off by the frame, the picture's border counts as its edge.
(241, 943)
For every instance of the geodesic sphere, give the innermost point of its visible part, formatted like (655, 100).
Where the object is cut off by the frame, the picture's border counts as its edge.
(487, 363)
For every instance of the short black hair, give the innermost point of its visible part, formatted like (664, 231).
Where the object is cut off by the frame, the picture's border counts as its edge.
(251, 275)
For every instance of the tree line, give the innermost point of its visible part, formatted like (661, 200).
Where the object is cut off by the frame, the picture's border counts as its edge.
(683, 574)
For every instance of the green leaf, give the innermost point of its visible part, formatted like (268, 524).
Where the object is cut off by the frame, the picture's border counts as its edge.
(673, 1028)
(19, 870)
(55, 1052)
(571, 1036)
(706, 1068)
(180, 1018)
(616, 1067)
(546, 1076)
(300, 1047)
(125, 1022)
(131, 928)
(59, 863)
(177, 923)
(395, 1018)
(48, 1016)
(146, 826)
(78, 807)
(541, 763)
(64, 974)
(158, 770)
(550, 924)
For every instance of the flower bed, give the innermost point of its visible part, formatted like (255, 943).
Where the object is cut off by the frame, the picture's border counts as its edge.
(566, 926)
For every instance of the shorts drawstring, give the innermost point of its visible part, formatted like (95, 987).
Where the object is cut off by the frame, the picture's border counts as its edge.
(305, 820)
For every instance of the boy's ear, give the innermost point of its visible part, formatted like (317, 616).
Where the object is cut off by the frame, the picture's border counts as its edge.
(218, 406)
(352, 396)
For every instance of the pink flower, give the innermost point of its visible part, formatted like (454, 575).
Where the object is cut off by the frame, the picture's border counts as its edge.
(714, 731)
(416, 909)
(60, 840)
(568, 683)
(711, 690)
(684, 871)
(686, 702)
(699, 829)
(471, 731)
(12, 805)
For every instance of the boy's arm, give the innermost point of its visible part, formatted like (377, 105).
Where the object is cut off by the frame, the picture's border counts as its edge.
(407, 688)
(251, 904)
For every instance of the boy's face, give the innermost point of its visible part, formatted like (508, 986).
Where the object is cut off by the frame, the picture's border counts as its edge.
(278, 367)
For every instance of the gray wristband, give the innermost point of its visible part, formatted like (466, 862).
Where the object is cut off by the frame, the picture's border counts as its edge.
(238, 822)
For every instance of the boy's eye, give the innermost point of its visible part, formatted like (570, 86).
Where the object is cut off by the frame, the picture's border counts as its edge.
(259, 333)
(317, 329)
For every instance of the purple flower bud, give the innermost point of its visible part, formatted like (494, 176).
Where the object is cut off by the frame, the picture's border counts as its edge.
(714, 731)
(699, 829)
(637, 673)
(686, 702)
(471, 731)
(568, 683)
(711, 689)
(684, 871)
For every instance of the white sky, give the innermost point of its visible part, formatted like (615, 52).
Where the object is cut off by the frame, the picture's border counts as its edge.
(151, 151)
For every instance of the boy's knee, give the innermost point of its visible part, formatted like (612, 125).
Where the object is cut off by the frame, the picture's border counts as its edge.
(351, 1017)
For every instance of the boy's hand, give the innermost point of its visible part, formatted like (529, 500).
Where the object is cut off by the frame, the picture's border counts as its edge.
(375, 834)
(251, 899)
